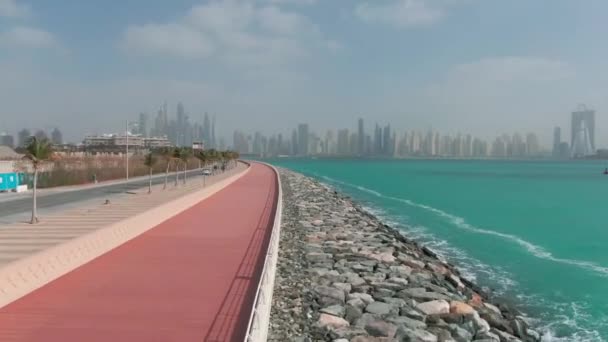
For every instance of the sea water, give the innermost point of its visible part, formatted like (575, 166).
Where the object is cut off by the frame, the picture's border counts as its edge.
(535, 232)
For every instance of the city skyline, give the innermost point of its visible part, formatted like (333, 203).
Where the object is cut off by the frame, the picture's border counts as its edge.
(267, 65)
(380, 141)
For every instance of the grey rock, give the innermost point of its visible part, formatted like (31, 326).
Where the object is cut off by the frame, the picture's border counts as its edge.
(406, 334)
(318, 257)
(408, 322)
(460, 334)
(378, 308)
(329, 295)
(435, 307)
(353, 313)
(366, 298)
(380, 328)
(334, 310)
(420, 293)
(357, 303)
(346, 287)
(504, 337)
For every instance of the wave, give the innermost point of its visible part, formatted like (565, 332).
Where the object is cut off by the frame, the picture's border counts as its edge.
(461, 223)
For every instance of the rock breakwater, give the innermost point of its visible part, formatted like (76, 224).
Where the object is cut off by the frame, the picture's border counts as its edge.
(343, 276)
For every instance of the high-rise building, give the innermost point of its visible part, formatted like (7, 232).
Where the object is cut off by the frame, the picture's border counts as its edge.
(206, 129)
(7, 140)
(294, 142)
(377, 140)
(143, 125)
(342, 148)
(56, 137)
(23, 137)
(583, 123)
(240, 143)
(557, 140)
(303, 139)
(386, 141)
(212, 141)
(361, 137)
(532, 145)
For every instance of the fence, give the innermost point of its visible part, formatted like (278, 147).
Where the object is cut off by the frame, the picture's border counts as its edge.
(257, 328)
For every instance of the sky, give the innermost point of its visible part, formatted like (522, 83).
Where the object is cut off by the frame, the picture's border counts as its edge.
(485, 67)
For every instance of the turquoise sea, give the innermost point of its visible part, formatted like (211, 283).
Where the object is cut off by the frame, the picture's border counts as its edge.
(535, 232)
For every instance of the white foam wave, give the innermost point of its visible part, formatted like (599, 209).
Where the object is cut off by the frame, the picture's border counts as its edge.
(461, 223)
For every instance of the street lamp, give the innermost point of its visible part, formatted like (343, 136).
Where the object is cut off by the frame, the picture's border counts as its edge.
(127, 123)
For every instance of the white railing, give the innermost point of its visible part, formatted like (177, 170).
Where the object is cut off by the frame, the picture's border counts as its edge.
(257, 329)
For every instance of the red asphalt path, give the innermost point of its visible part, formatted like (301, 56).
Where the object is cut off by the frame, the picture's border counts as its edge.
(191, 278)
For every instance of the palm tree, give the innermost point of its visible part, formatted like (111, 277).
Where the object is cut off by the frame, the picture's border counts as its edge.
(149, 161)
(177, 156)
(185, 154)
(167, 155)
(37, 151)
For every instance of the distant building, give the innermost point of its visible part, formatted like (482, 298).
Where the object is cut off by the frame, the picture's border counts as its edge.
(582, 139)
(156, 142)
(7, 140)
(56, 137)
(303, 139)
(557, 140)
(114, 142)
(361, 137)
(142, 127)
(23, 137)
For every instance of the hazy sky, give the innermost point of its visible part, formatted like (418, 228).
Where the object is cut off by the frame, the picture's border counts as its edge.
(481, 66)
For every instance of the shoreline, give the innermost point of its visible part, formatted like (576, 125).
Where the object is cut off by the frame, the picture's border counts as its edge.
(345, 275)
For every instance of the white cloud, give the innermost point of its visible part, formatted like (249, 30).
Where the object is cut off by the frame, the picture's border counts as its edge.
(235, 31)
(173, 39)
(292, 2)
(30, 37)
(400, 13)
(11, 8)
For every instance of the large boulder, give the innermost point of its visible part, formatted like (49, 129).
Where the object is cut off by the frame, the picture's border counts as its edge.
(331, 322)
(327, 295)
(434, 307)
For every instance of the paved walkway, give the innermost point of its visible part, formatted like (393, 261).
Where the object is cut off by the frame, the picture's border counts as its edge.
(19, 240)
(191, 278)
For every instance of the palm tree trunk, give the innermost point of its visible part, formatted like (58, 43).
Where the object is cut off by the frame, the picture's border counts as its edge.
(185, 169)
(176, 173)
(34, 211)
(166, 175)
(150, 182)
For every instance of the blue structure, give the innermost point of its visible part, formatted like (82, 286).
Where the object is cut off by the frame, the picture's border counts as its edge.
(10, 181)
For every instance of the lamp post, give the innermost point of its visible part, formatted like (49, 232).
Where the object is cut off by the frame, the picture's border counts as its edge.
(127, 144)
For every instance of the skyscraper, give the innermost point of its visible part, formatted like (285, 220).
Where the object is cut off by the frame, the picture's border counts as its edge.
(361, 137)
(206, 129)
(7, 140)
(303, 139)
(583, 122)
(212, 141)
(294, 142)
(143, 124)
(56, 137)
(23, 137)
(386, 141)
(557, 140)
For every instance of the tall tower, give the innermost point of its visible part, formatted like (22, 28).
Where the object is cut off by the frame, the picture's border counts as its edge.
(586, 116)
(361, 137)
(303, 139)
